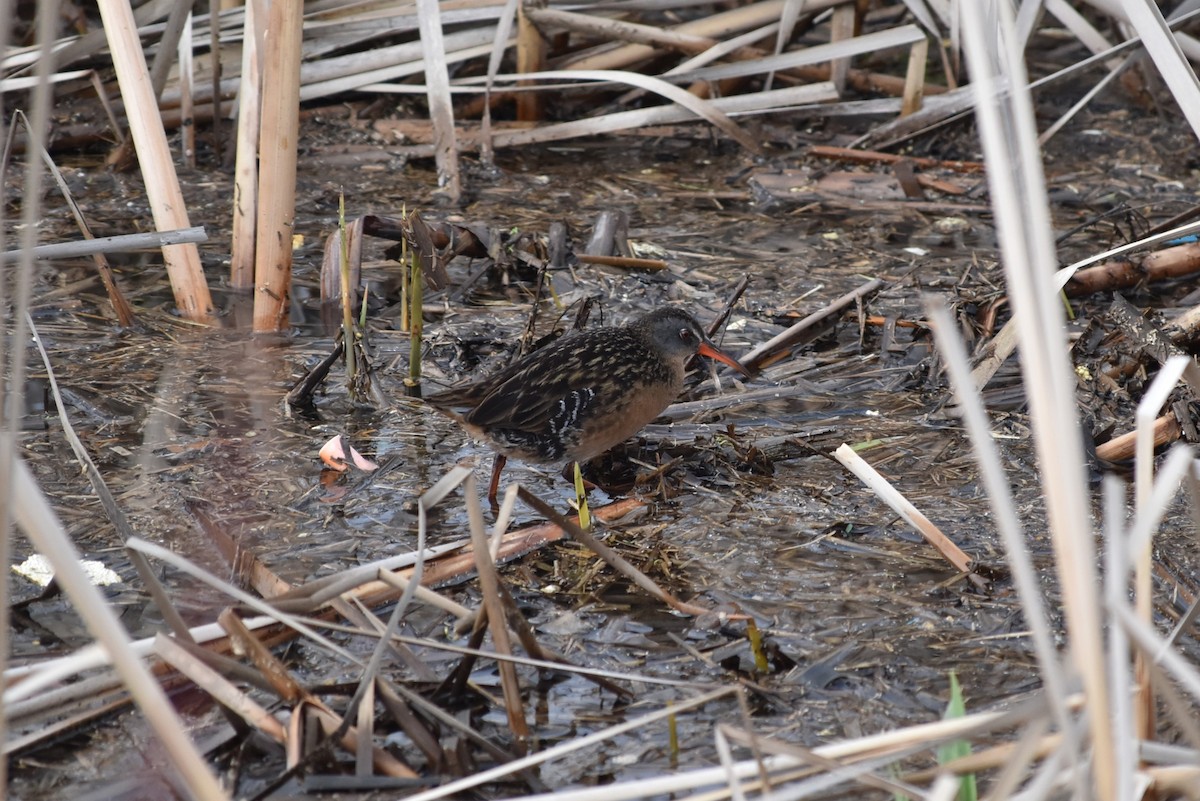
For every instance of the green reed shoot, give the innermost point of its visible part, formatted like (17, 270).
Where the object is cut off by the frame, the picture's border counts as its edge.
(955, 749)
(585, 516)
(761, 664)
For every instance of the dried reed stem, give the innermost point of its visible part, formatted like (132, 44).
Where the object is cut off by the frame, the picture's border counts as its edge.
(158, 172)
(245, 172)
(277, 164)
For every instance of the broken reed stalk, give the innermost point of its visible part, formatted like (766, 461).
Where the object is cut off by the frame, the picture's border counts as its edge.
(214, 47)
(578, 744)
(1176, 368)
(531, 57)
(1004, 512)
(245, 171)
(277, 168)
(489, 588)
(120, 306)
(186, 93)
(150, 140)
(416, 285)
(14, 338)
(1016, 178)
(348, 335)
(441, 109)
(903, 507)
(123, 243)
(41, 525)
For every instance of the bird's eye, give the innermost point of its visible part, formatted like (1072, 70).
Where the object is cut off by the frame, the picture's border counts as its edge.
(686, 335)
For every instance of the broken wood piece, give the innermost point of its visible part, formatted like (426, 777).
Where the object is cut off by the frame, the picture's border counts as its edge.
(531, 57)
(610, 235)
(914, 79)
(1159, 265)
(627, 262)
(903, 507)
(855, 154)
(278, 132)
(903, 170)
(123, 243)
(843, 26)
(754, 359)
(1122, 449)
(154, 158)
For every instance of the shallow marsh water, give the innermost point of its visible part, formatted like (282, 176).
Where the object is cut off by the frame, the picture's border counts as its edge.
(864, 622)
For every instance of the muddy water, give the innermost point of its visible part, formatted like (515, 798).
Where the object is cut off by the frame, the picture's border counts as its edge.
(863, 621)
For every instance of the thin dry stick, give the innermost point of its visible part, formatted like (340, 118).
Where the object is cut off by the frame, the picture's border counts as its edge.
(1008, 134)
(901, 506)
(614, 559)
(754, 358)
(35, 517)
(168, 45)
(150, 140)
(836, 770)
(431, 498)
(124, 530)
(499, 45)
(710, 111)
(1025, 575)
(489, 588)
(120, 306)
(1121, 680)
(277, 162)
(268, 665)
(1144, 485)
(571, 746)
(721, 24)
(12, 384)
(122, 243)
(217, 686)
(214, 48)
(760, 102)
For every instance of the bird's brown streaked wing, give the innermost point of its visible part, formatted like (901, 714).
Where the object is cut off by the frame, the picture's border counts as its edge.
(542, 387)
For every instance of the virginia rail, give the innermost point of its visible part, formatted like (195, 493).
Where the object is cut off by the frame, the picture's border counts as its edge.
(581, 395)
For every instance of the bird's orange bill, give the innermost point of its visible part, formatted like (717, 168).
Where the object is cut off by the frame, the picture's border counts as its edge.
(712, 353)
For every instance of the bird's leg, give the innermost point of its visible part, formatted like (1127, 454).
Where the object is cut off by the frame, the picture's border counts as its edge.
(494, 487)
(568, 474)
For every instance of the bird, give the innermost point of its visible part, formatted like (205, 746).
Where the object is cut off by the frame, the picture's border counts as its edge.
(583, 394)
